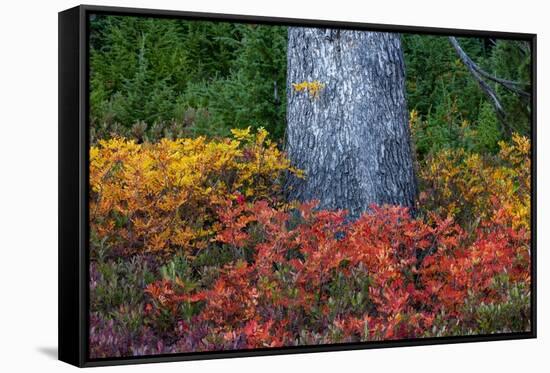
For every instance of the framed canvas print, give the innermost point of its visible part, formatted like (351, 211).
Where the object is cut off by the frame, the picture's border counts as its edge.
(237, 186)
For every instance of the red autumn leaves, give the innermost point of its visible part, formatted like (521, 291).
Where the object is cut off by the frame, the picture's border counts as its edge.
(309, 276)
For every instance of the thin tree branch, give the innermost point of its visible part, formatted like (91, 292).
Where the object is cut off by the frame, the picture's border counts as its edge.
(486, 88)
(508, 84)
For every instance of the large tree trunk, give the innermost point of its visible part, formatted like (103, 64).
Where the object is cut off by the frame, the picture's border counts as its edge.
(352, 138)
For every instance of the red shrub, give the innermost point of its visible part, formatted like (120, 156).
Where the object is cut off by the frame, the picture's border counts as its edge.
(313, 277)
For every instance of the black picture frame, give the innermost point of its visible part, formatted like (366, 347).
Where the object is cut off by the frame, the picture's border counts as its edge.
(74, 189)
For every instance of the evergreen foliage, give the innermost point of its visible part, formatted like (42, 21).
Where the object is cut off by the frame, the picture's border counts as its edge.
(450, 109)
(154, 78)
(201, 78)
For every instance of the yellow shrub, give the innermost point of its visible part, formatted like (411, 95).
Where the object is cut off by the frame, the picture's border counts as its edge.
(162, 197)
(471, 187)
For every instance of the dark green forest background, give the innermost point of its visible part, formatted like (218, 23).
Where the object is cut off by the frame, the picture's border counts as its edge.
(153, 78)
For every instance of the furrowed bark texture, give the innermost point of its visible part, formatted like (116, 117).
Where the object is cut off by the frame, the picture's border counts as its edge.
(352, 140)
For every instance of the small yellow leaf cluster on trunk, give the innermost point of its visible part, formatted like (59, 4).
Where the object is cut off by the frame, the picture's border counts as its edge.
(312, 88)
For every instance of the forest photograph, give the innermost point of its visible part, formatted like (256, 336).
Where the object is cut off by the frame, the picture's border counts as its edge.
(257, 186)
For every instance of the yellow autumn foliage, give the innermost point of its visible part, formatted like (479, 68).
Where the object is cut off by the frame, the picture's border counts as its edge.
(471, 187)
(162, 197)
(312, 88)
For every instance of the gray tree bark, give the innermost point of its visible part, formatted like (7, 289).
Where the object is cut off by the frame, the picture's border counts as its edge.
(352, 139)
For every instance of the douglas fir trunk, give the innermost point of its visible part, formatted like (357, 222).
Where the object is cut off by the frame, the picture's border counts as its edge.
(348, 120)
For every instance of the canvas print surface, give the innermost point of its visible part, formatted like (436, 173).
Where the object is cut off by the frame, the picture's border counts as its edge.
(260, 186)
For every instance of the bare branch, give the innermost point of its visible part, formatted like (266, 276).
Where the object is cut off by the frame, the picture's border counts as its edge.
(486, 88)
(508, 84)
